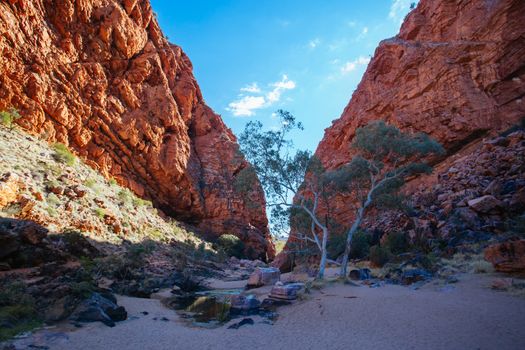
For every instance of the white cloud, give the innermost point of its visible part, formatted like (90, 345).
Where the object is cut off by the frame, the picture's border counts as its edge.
(274, 95)
(352, 65)
(362, 34)
(399, 9)
(252, 88)
(312, 44)
(247, 105)
(352, 24)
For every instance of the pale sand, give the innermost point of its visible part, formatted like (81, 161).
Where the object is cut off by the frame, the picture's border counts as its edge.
(469, 316)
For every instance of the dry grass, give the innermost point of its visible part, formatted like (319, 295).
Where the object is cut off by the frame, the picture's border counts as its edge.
(37, 165)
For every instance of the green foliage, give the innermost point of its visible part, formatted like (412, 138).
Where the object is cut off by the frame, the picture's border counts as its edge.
(100, 212)
(137, 252)
(82, 289)
(380, 141)
(279, 245)
(360, 245)
(112, 182)
(396, 242)
(18, 311)
(379, 255)
(63, 154)
(125, 196)
(336, 246)
(280, 167)
(90, 183)
(52, 199)
(139, 202)
(128, 198)
(231, 245)
(8, 118)
(51, 211)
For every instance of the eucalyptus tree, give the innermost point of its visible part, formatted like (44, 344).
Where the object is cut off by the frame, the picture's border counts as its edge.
(384, 158)
(281, 170)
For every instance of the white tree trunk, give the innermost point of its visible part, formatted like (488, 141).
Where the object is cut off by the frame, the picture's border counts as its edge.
(324, 257)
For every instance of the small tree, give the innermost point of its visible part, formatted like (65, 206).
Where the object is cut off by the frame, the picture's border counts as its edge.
(384, 158)
(281, 170)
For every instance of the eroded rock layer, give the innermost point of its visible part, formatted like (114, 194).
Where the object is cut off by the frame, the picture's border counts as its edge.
(455, 71)
(100, 77)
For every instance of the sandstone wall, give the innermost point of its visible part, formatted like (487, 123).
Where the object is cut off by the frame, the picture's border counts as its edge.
(455, 71)
(100, 77)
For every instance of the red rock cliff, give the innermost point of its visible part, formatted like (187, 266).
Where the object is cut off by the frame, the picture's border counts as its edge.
(455, 71)
(99, 76)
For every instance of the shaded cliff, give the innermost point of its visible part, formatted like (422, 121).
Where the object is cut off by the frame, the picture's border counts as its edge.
(455, 71)
(100, 77)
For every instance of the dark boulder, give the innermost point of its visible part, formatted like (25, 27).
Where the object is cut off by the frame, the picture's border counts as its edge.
(359, 274)
(100, 307)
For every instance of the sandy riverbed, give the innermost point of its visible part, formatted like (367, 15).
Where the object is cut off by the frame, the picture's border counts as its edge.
(467, 315)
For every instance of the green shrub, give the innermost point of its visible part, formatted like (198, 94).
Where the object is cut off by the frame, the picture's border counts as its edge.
(90, 183)
(125, 196)
(360, 245)
(9, 117)
(52, 199)
(139, 202)
(379, 255)
(336, 246)
(82, 289)
(63, 154)
(396, 242)
(231, 245)
(18, 312)
(100, 212)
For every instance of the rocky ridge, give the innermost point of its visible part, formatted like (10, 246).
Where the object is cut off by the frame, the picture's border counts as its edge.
(455, 71)
(100, 77)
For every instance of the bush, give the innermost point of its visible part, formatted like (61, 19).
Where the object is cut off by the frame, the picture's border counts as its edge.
(63, 154)
(9, 117)
(100, 213)
(336, 245)
(360, 245)
(379, 255)
(17, 311)
(90, 183)
(396, 242)
(139, 202)
(231, 245)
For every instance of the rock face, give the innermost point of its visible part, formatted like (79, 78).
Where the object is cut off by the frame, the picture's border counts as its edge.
(100, 77)
(507, 256)
(455, 71)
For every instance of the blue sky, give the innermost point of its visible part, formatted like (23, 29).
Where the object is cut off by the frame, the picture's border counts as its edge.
(251, 58)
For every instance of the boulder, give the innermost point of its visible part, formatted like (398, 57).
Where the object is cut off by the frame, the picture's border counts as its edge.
(359, 274)
(264, 276)
(485, 204)
(100, 307)
(244, 302)
(508, 256)
(10, 185)
(415, 275)
(286, 291)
